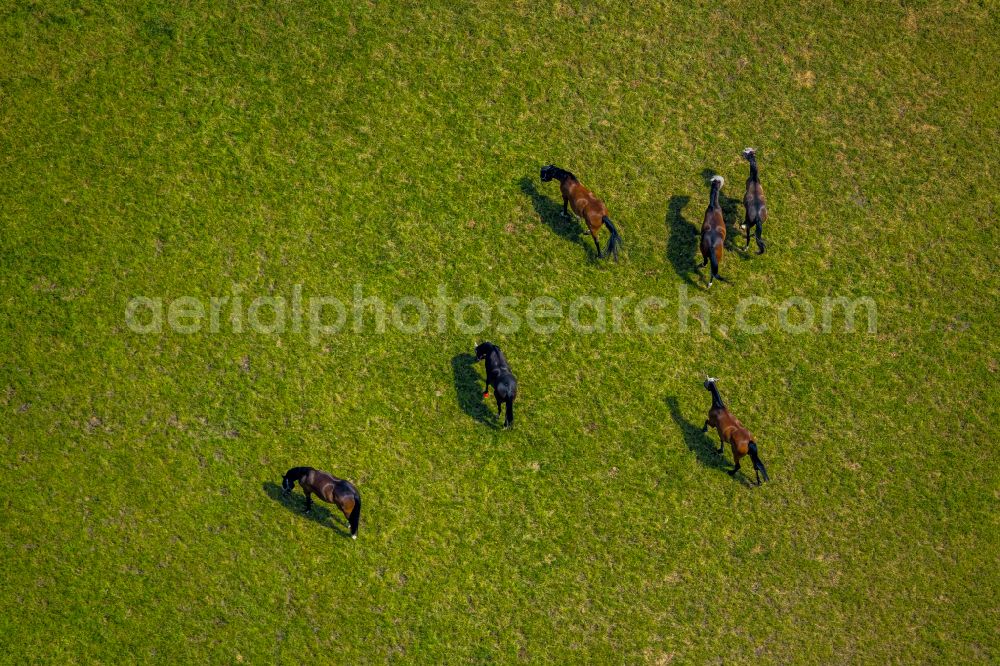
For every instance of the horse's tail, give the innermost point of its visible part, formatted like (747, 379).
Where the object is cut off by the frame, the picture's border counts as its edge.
(757, 464)
(355, 516)
(616, 239)
(507, 391)
(759, 229)
(714, 260)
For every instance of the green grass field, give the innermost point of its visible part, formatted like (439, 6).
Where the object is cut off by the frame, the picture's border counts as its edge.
(167, 150)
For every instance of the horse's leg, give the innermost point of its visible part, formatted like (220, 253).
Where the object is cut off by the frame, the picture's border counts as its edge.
(565, 206)
(704, 428)
(757, 235)
(736, 465)
(746, 225)
(309, 502)
(596, 244)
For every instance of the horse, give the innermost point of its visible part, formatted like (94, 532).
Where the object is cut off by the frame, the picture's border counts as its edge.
(713, 230)
(732, 431)
(585, 205)
(755, 203)
(499, 375)
(329, 489)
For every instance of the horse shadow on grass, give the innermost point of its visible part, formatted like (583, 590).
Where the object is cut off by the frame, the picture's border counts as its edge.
(469, 389)
(682, 242)
(296, 503)
(550, 212)
(730, 213)
(698, 442)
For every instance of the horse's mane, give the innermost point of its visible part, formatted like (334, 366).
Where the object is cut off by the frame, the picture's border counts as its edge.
(298, 472)
(717, 400)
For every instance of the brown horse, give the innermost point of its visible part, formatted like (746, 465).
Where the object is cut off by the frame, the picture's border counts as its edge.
(586, 205)
(755, 203)
(732, 431)
(329, 489)
(713, 230)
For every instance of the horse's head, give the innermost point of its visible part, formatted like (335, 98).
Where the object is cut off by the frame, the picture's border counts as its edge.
(749, 153)
(484, 348)
(709, 382)
(286, 485)
(549, 172)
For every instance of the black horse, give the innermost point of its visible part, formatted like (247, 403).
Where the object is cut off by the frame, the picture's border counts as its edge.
(328, 488)
(499, 375)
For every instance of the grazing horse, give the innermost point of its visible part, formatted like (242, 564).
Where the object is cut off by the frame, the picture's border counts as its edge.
(754, 202)
(329, 489)
(732, 431)
(498, 373)
(586, 205)
(713, 230)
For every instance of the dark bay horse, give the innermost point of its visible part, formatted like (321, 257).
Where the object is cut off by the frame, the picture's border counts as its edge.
(499, 375)
(732, 431)
(329, 489)
(586, 205)
(755, 203)
(713, 230)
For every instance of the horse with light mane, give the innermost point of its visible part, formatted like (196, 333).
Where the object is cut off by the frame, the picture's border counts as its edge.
(755, 203)
(713, 230)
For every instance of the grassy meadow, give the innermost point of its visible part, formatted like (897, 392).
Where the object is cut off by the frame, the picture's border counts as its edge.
(218, 149)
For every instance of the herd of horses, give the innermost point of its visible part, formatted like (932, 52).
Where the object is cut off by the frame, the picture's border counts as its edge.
(499, 375)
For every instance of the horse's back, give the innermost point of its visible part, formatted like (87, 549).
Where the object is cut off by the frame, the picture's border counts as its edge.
(706, 244)
(334, 490)
(714, 221)
(713, 416)
(506, 388)
(346, 489)
(498, 362)
(586, 204)
(755, 202)
(706, 224)
(500, 375)
(319, 481)
(320, 478)
(735, 433)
